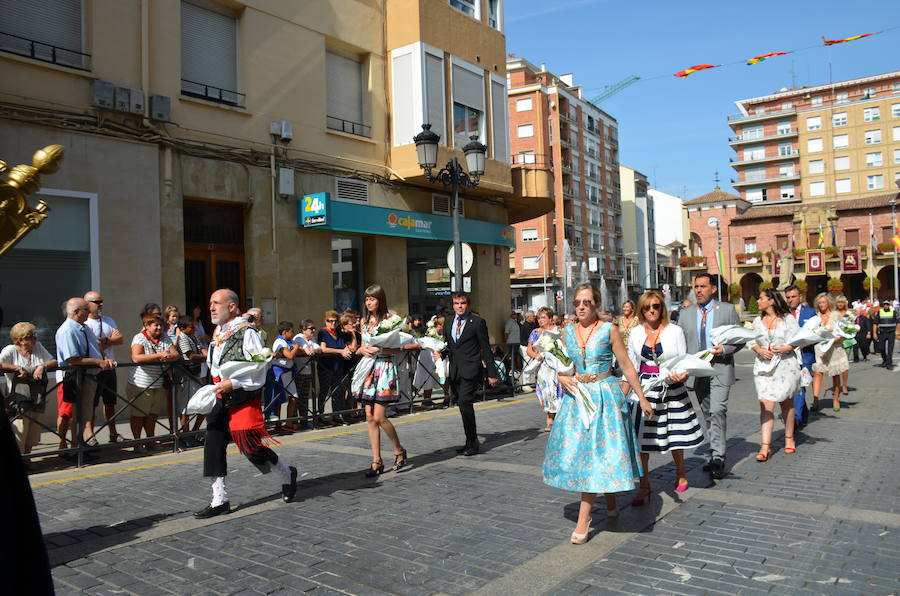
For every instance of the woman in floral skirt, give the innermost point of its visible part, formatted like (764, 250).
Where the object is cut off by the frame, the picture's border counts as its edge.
(549, 391)
(380, 387)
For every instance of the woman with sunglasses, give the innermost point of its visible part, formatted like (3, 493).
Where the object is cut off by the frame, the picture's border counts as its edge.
(675, 425)
(380, 387)
(602, 455)
(337, 350)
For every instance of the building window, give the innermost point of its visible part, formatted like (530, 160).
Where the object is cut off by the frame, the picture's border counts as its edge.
(750, 133)
(524, 105)
(785, 170)
(754, 174)
(896, 134)
(895, 87)
(525, 130)
(787, 106)
(755, 195)
(525, 157)
(874, 160)
(781, 241)
(787, 191)
(47, 30)
(895, 110)
(749, 244)
(842, 163)
(841, 141)
(814, 123)
(869, 93)
(871, 114)
(812, 240)
(209, 55)
(816, 101)
(874, 182)
(873, 137)
(842, 185)
(851, 237)
(842, 97)
(839, 119)
(344, 92)
(813, 145)
(529, 235)
(759, 111)
(754, 153)
(499, 119)
(817, 166)
(896, 155)
(785, 149)
(531, 263)
(816, 189)
(468, 104)
(784, 127)
(495, 14)
(470, 7)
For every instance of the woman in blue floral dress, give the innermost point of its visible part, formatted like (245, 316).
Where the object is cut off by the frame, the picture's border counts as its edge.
(602, 458)
(380, 387)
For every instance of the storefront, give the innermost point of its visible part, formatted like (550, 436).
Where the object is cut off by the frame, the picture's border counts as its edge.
(404, 251)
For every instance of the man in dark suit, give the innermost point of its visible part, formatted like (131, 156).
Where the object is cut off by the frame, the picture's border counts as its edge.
(470, 353)
(802, 313)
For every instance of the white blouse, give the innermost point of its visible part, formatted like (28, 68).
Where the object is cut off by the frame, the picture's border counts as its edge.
(671, 337)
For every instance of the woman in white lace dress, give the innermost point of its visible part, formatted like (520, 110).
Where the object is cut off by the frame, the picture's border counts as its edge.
(776, 371)
(831, 359)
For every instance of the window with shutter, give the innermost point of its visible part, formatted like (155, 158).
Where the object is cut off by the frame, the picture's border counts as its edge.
(344, 92)
(209, 55)
(499, 124)
(434, 94)
(468, 103)
(46, 30)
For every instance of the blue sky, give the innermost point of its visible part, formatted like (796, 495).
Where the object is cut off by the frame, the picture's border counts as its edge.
(675, 130)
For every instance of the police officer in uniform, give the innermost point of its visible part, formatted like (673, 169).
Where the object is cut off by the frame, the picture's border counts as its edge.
(885, 329)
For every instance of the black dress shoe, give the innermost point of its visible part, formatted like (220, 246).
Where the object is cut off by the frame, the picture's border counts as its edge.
(210, 511)
(289, 490)
(462, 449)
(472, 450)
(717, 468)
(706, 466)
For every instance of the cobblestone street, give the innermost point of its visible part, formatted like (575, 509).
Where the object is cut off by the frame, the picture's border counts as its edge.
(825, 520)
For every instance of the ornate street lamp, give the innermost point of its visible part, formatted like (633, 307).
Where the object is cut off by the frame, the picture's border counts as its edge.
(451, 175)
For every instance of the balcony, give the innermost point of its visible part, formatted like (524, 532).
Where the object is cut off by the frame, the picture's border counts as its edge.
(211, 93)
(532, 181)
(739, 139)
(346, 126)
(757, 181)
(30, 48)
(690, 263)
(793, 154)
(764, 116)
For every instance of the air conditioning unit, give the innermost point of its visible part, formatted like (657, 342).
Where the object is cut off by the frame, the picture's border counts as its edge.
(102, 94)
(160, 108)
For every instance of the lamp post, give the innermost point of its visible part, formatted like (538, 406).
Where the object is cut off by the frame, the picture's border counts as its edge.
(893, 203)
(713, 222)
(545, 258)
(451, 175)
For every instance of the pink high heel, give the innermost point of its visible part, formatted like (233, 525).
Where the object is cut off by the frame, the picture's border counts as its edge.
(682, 486)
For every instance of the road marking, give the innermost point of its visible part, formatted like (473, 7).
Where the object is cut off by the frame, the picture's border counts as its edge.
(175, 459)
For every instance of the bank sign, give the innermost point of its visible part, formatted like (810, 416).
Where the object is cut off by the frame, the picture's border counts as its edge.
(365, 219)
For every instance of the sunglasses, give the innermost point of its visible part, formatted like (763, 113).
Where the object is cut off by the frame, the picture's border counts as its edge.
(577, 303)
(309, 329)
(331, 320)
(31, 337)
(653, 307)
(97, 302)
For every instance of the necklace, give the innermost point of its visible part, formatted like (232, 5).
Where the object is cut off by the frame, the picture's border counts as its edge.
(583, 344)
(652, 335)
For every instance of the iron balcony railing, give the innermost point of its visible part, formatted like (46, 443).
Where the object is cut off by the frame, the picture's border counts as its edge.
(767, 113)
(45, 52)
(738, 139)
(212, 93)
(353, 128)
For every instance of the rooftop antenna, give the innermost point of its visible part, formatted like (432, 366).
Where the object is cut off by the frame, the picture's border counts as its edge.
(716, 179)
(793, 75)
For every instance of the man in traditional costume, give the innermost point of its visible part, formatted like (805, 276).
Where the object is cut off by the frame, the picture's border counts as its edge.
(238, 409)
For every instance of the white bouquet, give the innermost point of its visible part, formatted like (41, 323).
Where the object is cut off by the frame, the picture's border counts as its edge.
(696, 365)
(732, 335)
(846, 327)
(434, 342)
(551, 347)
(389, 334)
(204, 399)
(808, 336)
(587, 409)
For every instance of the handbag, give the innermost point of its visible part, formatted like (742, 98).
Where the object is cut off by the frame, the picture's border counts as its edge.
(70, 386)
(28, 394)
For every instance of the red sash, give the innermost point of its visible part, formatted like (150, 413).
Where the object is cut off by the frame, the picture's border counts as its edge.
(247, 424)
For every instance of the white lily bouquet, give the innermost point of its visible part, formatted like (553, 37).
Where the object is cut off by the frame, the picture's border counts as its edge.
(810, 334)
(556, 361)
(204, 399)
(732, 335)
(387, 334)
(434, 342)
(847, 327)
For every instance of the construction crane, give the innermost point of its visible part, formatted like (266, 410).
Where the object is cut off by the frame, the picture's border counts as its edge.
(613, 89)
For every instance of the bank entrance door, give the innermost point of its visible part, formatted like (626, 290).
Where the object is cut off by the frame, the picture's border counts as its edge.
(213, 252)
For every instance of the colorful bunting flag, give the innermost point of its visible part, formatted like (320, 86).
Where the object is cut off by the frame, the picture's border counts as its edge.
(896, 238)
(762, 57)
(684, 73)
(831, 42)
(720, 261)
(821, 237)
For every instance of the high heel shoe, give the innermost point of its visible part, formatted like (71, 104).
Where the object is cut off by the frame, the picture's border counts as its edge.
(763, 455)
(681, 486)
(376, 469)
(789, 447)
(642, 495)
(582, 538)
(399, 460)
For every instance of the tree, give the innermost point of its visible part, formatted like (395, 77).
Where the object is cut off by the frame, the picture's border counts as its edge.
(753, 307)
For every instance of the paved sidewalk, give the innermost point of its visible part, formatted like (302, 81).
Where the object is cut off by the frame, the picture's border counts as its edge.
(825, 520)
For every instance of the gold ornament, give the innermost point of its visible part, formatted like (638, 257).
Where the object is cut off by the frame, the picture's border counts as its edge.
(17, 217)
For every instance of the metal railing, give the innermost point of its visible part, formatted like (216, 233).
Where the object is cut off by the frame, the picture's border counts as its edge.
(322, 400)
(45, 52)
(351, 128)
(212, 93)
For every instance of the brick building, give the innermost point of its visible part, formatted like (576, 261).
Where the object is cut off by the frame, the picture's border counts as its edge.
(552, 124)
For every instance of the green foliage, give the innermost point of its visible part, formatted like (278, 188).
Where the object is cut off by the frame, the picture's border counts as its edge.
(753, 307)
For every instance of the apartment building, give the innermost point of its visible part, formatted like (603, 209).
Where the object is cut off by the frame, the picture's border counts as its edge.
(672, 233)
(553, 124)
(638, 217)
(817, 168)
(265, 146)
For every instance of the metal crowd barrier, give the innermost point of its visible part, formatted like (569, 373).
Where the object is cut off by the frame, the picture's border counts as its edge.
(322, 401)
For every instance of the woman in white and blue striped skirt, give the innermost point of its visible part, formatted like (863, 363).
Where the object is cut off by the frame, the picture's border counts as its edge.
(677, 422)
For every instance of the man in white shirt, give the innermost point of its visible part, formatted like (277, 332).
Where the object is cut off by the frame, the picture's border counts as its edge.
(238, 411)
(108, 335)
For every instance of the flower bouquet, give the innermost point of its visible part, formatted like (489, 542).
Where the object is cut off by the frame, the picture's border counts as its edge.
(810, 334)
(387, 334)
(204, 399)
(732, 335)
(434, 342)
(556, 361)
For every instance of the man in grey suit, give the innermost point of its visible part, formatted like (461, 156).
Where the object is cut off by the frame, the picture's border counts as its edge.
(697, 321)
